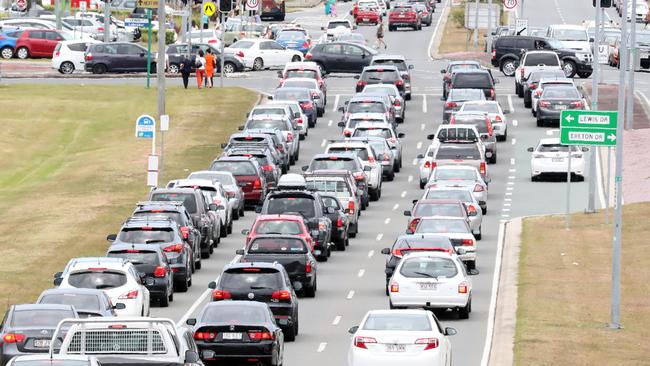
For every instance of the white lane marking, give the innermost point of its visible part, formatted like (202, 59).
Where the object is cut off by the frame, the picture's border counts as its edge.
(507, 204)
(415, 161)
(195, 305)
(336, 320)
(514, 140)
(505, 215)
(336, 103)
(507, 199)
(511, 177)
(549, 132)
(424, 103)
(321, 347)
(403, 194)
(559, 11)
(410, 178)
(396, 207)
(422, 126)
(361, 272)
(330, 123)
(509, 193)
(511, 183)
(387, 221)
(512, 161)
(512, 170)
(515, 122)
(505, 210)
(322, 144)
(371, 253)
(379, 236)
(418, 145)
(510, 105)
(350, 295)
(509, 188)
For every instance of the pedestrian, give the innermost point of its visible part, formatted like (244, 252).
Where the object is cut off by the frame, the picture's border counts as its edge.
(186, 69)
(328, 6)
(200, 68)
(647, 19)
(210, 63)
(380, 35)
(333, 9)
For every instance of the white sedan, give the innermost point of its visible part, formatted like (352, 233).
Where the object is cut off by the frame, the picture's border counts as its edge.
(431, 280)
(400, 337)
(551, 158)
(259, 54)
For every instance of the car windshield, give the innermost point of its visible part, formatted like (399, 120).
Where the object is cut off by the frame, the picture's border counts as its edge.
(235, 167)
(332, 25)
(561, 93)
(292, 94)
(366, 107)
(380, 75)
(250, 278)
(146, 235)
(274, 124)
(277, 245)
(302, 205)
(435, 226)
(481, 107)
(400, 64)
(295, 73)
(571, 35)
(458, 152)
(428, 267)
(552, 148)
(465, 94)
(361, 152)
(290, 36)
(284, 227)
(365, 132)
(455, 174)
(333, 163)
(401, 9)
(381, 89)
(234, 315)
(438, 209)
(536, 76)
(42, 318)
(188, 199)
(49, 362)
(545, 58)
(395, 322)
(456, 194)
(79, 301)
(292, 83)
(136, 256)
(472, 80)
(97, 279)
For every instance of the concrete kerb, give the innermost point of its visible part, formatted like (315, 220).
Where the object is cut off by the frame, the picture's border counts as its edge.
(238, 75)
(440, 30)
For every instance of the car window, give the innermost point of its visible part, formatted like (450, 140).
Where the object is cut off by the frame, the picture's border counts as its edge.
(428, 267)
(332, 25)
(325, 185)
(302, 205)
(458, 152)
(482, 107)
(78, 47)
(506, 42)
(251, 278)
(52, 36)
(37, 35)
(275, 46)
(136, 257)
(333, 49)
(331, 202)
(294, 73)
(234, 314)
(465, 94)
(361, 152)
(235, 167)
(463, 174)
(366, 107)
(284, 227)
(561, 93)
(333, 163)
(277, 245)
(79, 301)
(438, 209)
(41, 318)
(401, 322)
(350, 50)
(472, 80)
(366, 132)
(436, 226)
(242, 44)
(146, 235)
(293, 83)
(523, 43)
(455, 194)
(276, 124)
(554, 148)
(535, 59)
(97, 279)
(292, 94)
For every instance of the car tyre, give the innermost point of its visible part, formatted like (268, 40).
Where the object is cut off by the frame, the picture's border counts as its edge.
(229, 68)
(258, 64)
(198, 264)
(528, 102)
(22, 53)
(241, 211)
(289, 334)
(508, 67)
(99, 69)
(182, 286)
(229, 228)
(310, 291)
(463, 313)
(520, 90)
(223, 230)
(584, 75)
(164, 301)
(171, 295)
(340, 244)
(540, 123)
(422, 184)
(569, 69)
(7, 52)
(66, 68)
(374, 195)
(174, 68)
(479, 236)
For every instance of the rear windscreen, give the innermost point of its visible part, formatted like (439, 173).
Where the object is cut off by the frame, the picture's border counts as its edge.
(333, 164)
(430, 267)
(176, 216)
(272, 111)
(442, 226)
(301, 74)
(300, 84)
(438, 209)
(299, 94)
(280, 205)
(398, 322)
(283, 227)
(400, 64)
(79, 301)
(453, 152)
(97, 279)
(456, 67)
(361, 152)
(327, 185)
(251, 279)
(473, 80)
(273, 124)
(465, 94)
(457, 134)
(146, 235)
(136, 256)
(41, 318)
(560, 93)
(234, 314)
(458, 174)
(277, 245)
(547, 59)
(366, 107)
(379, 132)
(235, 167)
(376, 75)
(482, 107)
(188, 199)
(456, 194)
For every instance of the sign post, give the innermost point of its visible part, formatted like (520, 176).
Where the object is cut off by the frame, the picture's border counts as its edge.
(145, 128)
(148, 48)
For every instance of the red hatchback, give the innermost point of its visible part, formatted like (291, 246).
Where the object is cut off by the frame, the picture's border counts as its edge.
(279, 224)
(404, 15)
(38, 43)
(248, 174)
(367, 15)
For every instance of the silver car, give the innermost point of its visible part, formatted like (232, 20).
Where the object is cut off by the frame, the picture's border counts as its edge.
(312, 85)
(464, 195)
(278, 122)
(386, 131)
(229, 184)
(387, 156)
(395, 96)
(368, 158)
(494, 111)
(461, 176)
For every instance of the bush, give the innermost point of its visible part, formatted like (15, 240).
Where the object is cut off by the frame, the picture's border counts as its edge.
(457, 16)
(169, 36)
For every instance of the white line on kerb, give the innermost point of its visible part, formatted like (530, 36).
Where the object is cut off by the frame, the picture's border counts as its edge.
(336, 103)
(424, 103)
(361, 272)
(505, 210)
(509, 188)
(371, 253)
(321, 347)
(509, 193)
(350, 295)
(379, 236)
(336, 320)
(507, 204)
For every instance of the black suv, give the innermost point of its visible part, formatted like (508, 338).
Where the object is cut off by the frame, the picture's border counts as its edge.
(507, 52)
(263, 282)
(475, 79)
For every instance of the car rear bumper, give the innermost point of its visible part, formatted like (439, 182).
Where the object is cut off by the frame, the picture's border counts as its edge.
(231, 351)
(577, 167)
(429, 301)
(401, 23)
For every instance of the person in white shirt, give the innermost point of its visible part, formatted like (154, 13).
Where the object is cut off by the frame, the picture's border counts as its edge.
(200, 68)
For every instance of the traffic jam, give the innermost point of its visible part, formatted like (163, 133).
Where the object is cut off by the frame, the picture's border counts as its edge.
(305, 212)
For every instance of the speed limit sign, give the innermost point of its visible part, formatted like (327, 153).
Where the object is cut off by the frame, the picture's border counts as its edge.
(252, 5)
(510, 5)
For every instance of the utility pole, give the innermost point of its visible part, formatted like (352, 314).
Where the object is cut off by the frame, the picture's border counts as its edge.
(631, 61)
(221, 53)
(476, 25)
(107, 21)
(615, 321)
(160, 68)
(57, 14)
(591, 201)
(489, 31)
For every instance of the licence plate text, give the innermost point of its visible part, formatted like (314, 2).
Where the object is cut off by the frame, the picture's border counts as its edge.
(42, 343)
(231, 335)
(428, 286)
(395, 348)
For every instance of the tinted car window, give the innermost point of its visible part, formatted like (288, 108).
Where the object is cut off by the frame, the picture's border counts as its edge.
(548, 59)
(48, 363)
(188, 199)
(428, 268)
(267, 123)
(277, 245)
(380, 75)
(437, 209)
(327, 185)
(176, 216)
(97, 279)
(278, 227)
(333, 164)
(472, 80)
(465, 94)
(234, 315)
(455, 152)
(79, 301)
(452, 194)
(242, 44)
(365, 132)
(506, 42)
(39, 318)
(300, 84)
(331, 202)
(78, 47)
(251, 278)
(294, 94)
(402, 322)
(464, 174)
(400, 64)
(361, 152)
(333, 48)
(138, 235)
(366, 107)
(485, 107)
(303, 205)
(235, 167)
(301, 74)
(442, 226)
(141, 257)
(561, 93)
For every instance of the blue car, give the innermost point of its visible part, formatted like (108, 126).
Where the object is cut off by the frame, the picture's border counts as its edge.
(8, 38)
(294, 40)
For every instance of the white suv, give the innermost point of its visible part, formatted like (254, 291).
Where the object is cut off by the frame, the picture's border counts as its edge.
(534, 61)
(368, 158)
(116, 276)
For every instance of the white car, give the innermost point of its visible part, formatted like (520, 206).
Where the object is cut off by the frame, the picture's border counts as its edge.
(354, 119)
(368, 159)
(230, 186)
(400, 338)
(551, 157)
(259, 54)
(462, 194)
(432, 280)
(535, 61)
(337, 27)
(386, 131)
(311, 84)
(457, 229)
(209, 36)
(69, 56)
(494, 111)
(463, 176)
(301, 120)
(213, 193)
(118, 277)
(537, 93)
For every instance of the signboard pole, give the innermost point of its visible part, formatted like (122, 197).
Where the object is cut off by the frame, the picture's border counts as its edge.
(608, 185)
(591, 196)
(107, 21)
(148, 48)
(568, 192)
(160, 73)
(221, 23)
(476, 25)
(631, 61)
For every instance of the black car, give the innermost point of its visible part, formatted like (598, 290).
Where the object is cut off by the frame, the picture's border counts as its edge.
(340, 220)
(413, 242)
(451, 68)
(291, 251)
(161, 232)
(264, 282)
(475, 79)
(398, 61)
(345, 161)
(555, 99)
(342, 57)
(177, 212)
(176, 53)
(236, 331)
(270, 166)
(86, 301)
(533, 79)
(380, 74)
(117, 57)
(152, 261)
(28, 328)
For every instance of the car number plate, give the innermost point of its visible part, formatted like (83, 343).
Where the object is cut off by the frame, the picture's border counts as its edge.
(42, 343)
(560, 107)
(557, 160)
(366, 19)
(231, 335)
(395, 348)
(428, 286)
(402, 16)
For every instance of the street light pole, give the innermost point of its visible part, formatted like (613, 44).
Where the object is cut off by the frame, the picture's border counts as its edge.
(591, 201)
(629, 114)
(107, 21)
(160, 70)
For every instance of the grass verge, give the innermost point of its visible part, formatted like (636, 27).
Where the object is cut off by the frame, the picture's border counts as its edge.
(455, 38)
(72, 170)
(564, 291)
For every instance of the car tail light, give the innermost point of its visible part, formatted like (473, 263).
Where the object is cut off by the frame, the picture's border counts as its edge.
(185, 232)
(488, 123)
(361, 83)
(544, 103)
(299, 120)
(256, 335)
(399, 82)
(257, 184)
(394, 287)
(305, 44)
(386, 157)
(221, 295)
(57, 53)
(492, 93)
(176, 248)
(322, 226)
(468, 242)
(205, 336)
(412, 226)
(532, 86)
(339, 222)
(306, 105)
(522, 72)
(430, 343)
(159, 272)
(267, 168)
(576, 104)
(362, 341)
(425, 13)
(347, 133)
(498, 118)
(397, 253)
(289, 137)
(89, 57)
(133, 294)
(482, 168)
(13, 338)
(451, 105)
(463, 288)
(308, 56)
(392, 140)
(308, 267)
(2, 37)
(358, 176)
(230, 194)
(494, 54)
(350, 209)
(538, 93)
(371, 160)
(281, 295)
(452, 120)
(100, 29)
(478, 188)
(471, 209)
(397, 103)
(240, 54)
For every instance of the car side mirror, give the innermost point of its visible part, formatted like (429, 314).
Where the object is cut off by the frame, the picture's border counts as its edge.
(414, 201)
(411, 67)
(191, 357)
(57, 281)
(385, 251)
(353, 329)
(367, 168)
(119, 306)
(239, 251)
(240, 128)
(357, 76)
(297, 285)
(191, 321)
(584, 149)
(141, 54)
(245, 231)
(591, 39)
(506, 111)
(280, 74)
(450, 331)
(401, 135)
(322, 28)
(304, 168)
(111, 237)
(269, 97)
(407, 213)
(58, 275)
(258, 209)
(431, 136)
(443, 71)
(314, 234)
(420, 156)
(341, 109)
(530, 149)
(341, 124)
(224, 145)
(212, 285)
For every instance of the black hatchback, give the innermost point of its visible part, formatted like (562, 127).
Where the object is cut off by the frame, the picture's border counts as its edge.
(117, 57)
(264, 282)
(342, 57)
(475, 79)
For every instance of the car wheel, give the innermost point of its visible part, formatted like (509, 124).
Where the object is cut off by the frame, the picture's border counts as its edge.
(508, 67)
(340, 244)
(520, 90)
(173, 68)
(22, 53)
(289, 334)
(229, 228)
(374, 194)
(584, 75)
(295, 58)
(223, 230)
(99, 69)
(484, 210)
(528, 102)
(493, 159)
(258, 64)
(66, 68)
(463, 313)
(182, 286)
(540, 123)
(323, 71)
(229, 68)
(235, 214)
(422, 184)
(198, 264)
(323, 256)
(479, 236)
(569, 69)
(310, 291)
(171, 296)
(164, 301)
(7, 52)
(471, 265)
(390, 176)
(241, 212)
(396, 168)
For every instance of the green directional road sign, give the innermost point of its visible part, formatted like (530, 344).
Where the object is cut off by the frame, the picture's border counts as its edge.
(578, 127)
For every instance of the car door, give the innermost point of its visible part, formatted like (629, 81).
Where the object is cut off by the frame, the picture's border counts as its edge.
(268, 53)
(333, 58)
(355, 58)
(137, 57)
(51, 39)
(35, 43)
(280, 54)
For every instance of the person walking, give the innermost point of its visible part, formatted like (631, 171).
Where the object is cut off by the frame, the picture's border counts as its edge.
(210, 63)
(328, 7)
(380, 35)
(647, 19)
(200, 68)
(186, 70)
(333, 9)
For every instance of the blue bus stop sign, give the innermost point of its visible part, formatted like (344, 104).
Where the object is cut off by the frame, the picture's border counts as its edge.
(145, 127)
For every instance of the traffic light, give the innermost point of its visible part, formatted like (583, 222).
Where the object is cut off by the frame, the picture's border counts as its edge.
(604, 3)
(225, 6)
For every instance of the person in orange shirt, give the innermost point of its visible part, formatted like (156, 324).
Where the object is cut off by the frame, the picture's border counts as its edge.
(210, 63)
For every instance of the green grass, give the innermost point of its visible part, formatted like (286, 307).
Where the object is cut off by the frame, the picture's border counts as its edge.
(72, 170)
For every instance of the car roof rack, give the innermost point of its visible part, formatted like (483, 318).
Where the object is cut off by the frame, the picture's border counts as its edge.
(147, 219)
(160, 203)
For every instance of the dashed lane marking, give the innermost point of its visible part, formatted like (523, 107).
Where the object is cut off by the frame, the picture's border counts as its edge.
(321, 347)
(336, 103)
(322, 144)
(371, 253)
(512, 107)
(515, 122)
(415, 161)
(512, 161)
(395, 207)
(424, 103)
(350, 295)
(410, 178)
(361, 273)
(514, 140)
(336, 320)
(403, 194)
(418, 145)
(379, 236)
(422, 126)
(387, 221)
(329, 124)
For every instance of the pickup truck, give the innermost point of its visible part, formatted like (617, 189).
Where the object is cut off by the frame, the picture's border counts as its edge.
(290, 251)
(126, 341)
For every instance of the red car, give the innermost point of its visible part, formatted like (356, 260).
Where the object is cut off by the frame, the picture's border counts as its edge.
(404, 15)
(37, 43)
(367, 15)
(279, 224)
(249, 176)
